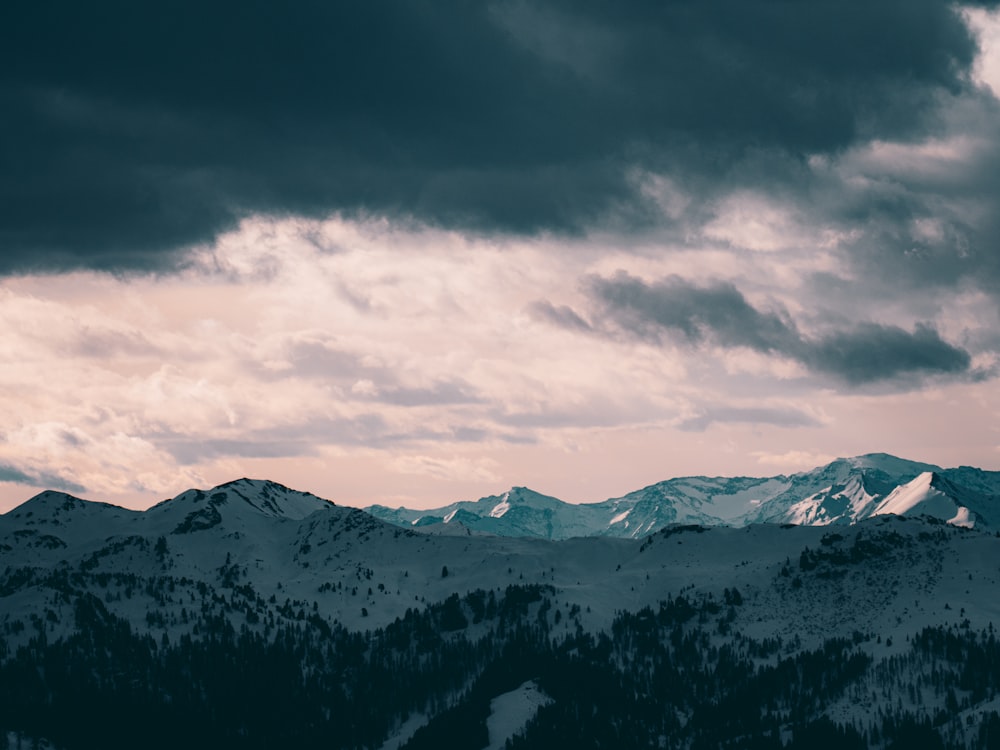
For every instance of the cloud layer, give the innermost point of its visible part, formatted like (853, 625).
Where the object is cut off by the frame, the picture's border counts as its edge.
(866, 353)
(136, 131)
(415, 365)
(411, 251)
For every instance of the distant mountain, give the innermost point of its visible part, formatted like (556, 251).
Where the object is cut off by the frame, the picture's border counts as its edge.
(350, 566)
(517, 512)
(845, 491)
(251, 615)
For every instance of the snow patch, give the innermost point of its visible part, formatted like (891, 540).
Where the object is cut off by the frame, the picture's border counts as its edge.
(447, 518)
(502, 507)
(619, 518)
(963, 518)
(806, 510)
(511, 712)
(857, 495)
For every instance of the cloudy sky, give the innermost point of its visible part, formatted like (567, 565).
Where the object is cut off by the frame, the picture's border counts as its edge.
(418, 252)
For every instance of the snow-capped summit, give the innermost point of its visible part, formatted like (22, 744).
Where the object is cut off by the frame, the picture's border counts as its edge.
(845, 491)
(239, 502)
(230, 570)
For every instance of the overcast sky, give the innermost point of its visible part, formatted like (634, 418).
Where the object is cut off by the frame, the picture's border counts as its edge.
(419, 252)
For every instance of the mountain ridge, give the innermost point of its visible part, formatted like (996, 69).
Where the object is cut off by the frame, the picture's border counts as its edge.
(845, 491)
(252, 573)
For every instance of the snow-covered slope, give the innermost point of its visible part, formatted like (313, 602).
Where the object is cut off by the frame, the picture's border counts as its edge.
(55, 520)
(260, 559)
(356, 569)
(510, 712)
(927, 495)
(349, 567)
(845, 491)
(707, 500)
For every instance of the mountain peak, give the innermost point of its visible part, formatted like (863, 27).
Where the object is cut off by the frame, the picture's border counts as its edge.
(269, 498)
(526, 495)
(250, 482)
(889, 464)
(47, 503)
(845, 491)
(53, 503)
(239, 501)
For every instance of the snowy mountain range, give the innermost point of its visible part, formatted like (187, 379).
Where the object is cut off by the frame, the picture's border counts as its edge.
(845, 491)
(333, 596)
(358, 570)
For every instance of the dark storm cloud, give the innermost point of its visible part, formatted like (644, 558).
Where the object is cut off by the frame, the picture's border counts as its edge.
(9, 473)
(132, 130)
(719, 314)
(955, 195)
(871, 352)
(961, 207)
(691, 312)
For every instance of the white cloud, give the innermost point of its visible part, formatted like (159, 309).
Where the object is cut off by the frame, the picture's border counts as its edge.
(364, 360)
(986, 25)
(751, 221)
